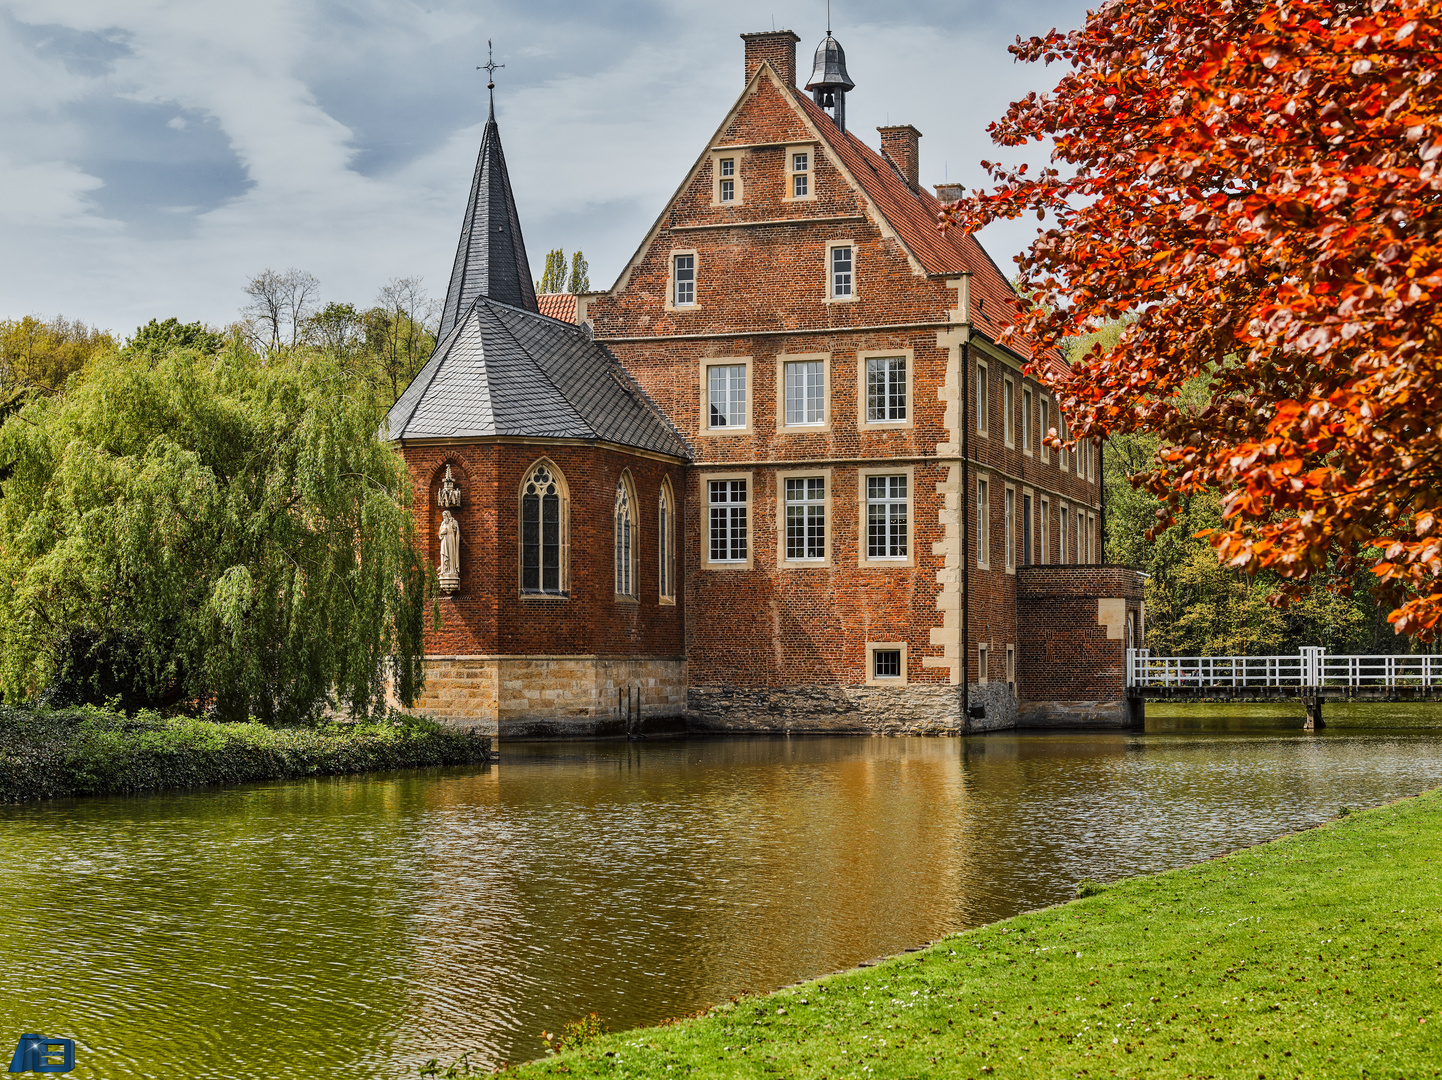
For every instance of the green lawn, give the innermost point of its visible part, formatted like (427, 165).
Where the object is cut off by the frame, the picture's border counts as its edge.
(1318, 955)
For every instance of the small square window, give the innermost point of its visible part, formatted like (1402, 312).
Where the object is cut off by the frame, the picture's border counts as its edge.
(684, 280)
(886, 664)
(728, 190)
(841, 272)
(728, 166)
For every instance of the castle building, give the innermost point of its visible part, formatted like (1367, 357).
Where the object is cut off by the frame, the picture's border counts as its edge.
(781, 476)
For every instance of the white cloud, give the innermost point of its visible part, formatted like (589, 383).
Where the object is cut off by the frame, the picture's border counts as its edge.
(357, 128)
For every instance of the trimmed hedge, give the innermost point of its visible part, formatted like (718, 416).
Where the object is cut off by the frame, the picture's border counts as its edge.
(46, 754)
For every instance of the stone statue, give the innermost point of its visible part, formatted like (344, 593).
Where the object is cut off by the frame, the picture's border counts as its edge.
(449, 570)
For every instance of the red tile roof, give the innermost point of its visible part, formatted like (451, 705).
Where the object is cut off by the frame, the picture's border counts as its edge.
(557, 305)
(912, 215)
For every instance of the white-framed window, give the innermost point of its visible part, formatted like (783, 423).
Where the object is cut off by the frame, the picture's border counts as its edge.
(886, 663)
(983, 523)
(805, 523)
(1062, 534)
(799, 168)
(805, 392)
(1043, 408)
(666, 544)
(683, 280)
(1009, 524)
(544, 520)
(1008, 408)
(841, 271)
(1026, 419)
(726, 397)
(887, 389)
(888, 516)
(982, 649)
(1044, 540)
(625, 539)
(726, 171)
(983, 398)
(729, 520)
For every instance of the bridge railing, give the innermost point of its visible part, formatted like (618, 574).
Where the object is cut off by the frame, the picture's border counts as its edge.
(1309, 667)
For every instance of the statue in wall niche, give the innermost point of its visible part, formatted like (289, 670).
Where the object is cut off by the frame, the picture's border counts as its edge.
(449, 570)
(450, 493)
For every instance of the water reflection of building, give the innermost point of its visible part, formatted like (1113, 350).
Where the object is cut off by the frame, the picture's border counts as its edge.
(742, 489)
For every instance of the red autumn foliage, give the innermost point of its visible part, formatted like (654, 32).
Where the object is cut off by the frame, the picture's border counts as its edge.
(1257, 183)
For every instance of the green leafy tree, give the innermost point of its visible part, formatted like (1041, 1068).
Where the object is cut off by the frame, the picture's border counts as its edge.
(215, 533)
(39, 355)
(173, 334)
(553, 279)
(580, 275)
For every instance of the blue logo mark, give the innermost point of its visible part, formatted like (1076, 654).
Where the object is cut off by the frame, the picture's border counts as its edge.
(36, 1053)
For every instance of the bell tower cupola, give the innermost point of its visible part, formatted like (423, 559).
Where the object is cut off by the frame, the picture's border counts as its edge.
(829, 82)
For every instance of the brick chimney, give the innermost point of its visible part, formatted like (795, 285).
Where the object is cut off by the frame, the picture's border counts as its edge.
(947, 193)
(776, 46)
(900, 145)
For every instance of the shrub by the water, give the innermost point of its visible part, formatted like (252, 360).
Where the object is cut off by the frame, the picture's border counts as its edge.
(47, 753)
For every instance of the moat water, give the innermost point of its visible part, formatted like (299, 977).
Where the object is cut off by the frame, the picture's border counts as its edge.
(355, 927)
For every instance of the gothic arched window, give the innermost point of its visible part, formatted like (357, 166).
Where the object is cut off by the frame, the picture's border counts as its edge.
(544, 506)
(666, 519)
(625, 538)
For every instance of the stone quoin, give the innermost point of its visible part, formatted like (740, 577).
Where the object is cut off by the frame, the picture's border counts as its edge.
(782, 476)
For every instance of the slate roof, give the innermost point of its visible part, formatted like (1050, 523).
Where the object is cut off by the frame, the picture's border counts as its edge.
(912, 215)
(491, 255)
(503, 370)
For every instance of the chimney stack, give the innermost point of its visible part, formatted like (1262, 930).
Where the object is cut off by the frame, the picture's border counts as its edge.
(776, 46)
(900, 144)
(948, 193)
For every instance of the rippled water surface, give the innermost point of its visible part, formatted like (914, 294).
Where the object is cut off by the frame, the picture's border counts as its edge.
(351, 927)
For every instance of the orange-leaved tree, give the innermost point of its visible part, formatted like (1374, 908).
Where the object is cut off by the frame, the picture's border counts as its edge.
(1257, 185)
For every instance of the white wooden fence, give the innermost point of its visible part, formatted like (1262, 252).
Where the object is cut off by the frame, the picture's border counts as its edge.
(1311, 666)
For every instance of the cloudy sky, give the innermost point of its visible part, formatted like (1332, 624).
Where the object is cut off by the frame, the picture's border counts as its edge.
(154, 154)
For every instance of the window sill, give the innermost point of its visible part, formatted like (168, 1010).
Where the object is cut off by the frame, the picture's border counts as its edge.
(547, 597)
(887, 562)
(622, 599)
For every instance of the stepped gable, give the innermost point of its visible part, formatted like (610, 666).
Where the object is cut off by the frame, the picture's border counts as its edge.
(912, 215)
(491, 254)
(503, 370)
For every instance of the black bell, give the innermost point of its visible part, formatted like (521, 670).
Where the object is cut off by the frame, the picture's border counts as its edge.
(829, 82)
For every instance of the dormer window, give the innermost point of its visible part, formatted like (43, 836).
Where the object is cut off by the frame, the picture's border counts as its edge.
(800, 174)
(727, 190)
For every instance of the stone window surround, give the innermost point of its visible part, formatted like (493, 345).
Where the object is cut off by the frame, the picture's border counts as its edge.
(863, 560)
(1028, 405)
(862, 357)
(1043, 408)
(789, 185)
(983, 521)
(873, 647)
(1008, 407)
(1008, 525)
(666, 535)
(983, 654)
(1044, 538)
(832, 245)
(983, 397)
(703, 427)
(782, 562)
(782, 359)
(1091, 537)
(634, 596)
(1061, 430)
(716, 178)
(705, 530)
(1024, 493)
(565, 524)
(671, 304)
(1011, 664)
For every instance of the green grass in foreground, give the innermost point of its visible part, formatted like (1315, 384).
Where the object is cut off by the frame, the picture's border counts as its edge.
(1318, 955)
(47, 754)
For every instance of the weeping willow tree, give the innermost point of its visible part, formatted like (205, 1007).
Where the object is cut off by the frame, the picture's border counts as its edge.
(208, 532)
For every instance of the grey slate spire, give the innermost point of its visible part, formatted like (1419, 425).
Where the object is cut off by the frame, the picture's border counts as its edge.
(491, 255)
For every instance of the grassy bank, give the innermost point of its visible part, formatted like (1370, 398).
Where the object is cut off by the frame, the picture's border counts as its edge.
(46, 754)
(1316, 955)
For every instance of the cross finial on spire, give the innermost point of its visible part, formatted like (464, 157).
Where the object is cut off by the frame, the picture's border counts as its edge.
(489, 67)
